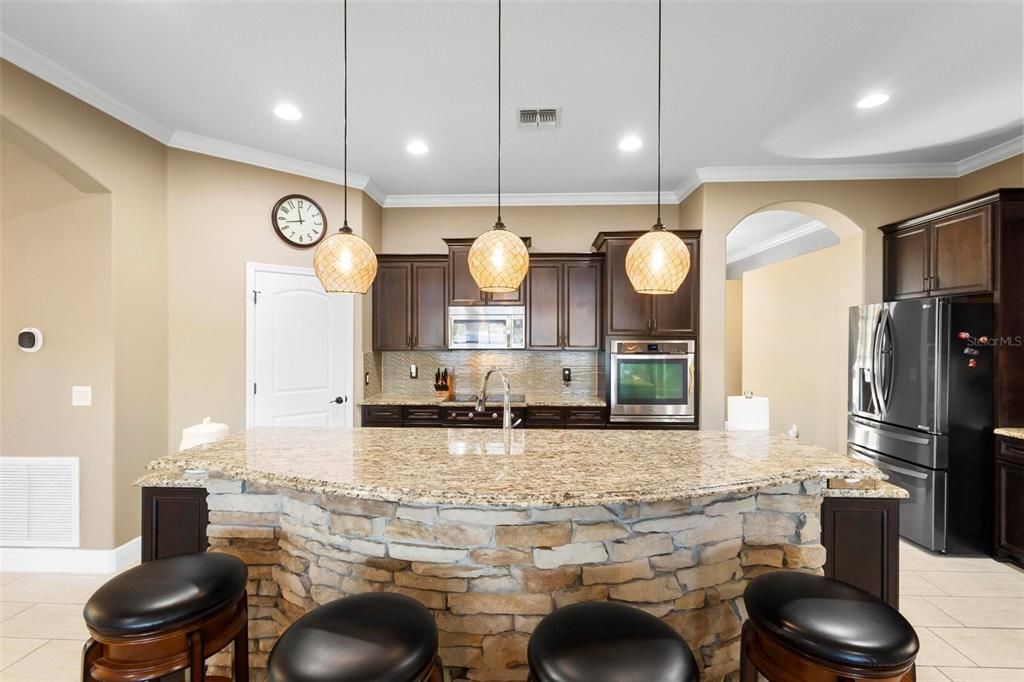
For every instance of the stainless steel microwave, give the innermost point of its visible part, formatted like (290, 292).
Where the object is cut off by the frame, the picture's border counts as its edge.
(652, 381)
(490, 326)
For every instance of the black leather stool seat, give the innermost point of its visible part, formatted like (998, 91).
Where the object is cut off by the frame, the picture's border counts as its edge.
(377, 636)
(161, 594)
(608, 642)
(830, 621)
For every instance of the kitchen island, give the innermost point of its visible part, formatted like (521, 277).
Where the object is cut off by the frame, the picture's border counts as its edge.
(494, 529)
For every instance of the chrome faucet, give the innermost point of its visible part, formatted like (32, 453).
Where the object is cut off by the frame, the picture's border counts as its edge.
(481, 399)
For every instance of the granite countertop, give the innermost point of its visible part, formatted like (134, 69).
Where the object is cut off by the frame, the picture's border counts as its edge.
(170, 478)
(864, 488)
(493, 400)
(517, 468)
(1010, 432)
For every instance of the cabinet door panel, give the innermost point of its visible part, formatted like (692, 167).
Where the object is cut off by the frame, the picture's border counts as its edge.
(516, 297)
(392, 290)
(907, 263)
(545, 305)
(174, 522)
(1010, 501)
(462, 289)
(676, 314)
(430, 310)
(861, 539)
(628, 312)
(961, 247)
(582, 317)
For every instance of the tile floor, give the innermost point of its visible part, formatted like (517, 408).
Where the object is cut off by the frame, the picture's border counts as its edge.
(969, 615)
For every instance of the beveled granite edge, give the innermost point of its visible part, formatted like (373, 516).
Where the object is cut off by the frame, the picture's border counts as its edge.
(878, 489)
(391, 400)
(172, 478)
(1010, 432)
(485, 467)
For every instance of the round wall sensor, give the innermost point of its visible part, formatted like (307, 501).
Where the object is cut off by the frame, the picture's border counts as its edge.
(30, 339)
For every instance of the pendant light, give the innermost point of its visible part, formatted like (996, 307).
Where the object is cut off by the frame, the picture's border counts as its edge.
(498, 259)
(344, 263)
(658, 262)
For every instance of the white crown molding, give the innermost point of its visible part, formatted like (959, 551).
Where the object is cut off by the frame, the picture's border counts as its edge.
(798, 173)
(797, 232)
(687, 187)
(210, 146)
(539, 199)
(64, 560)
(42, 66)
(1000, 152)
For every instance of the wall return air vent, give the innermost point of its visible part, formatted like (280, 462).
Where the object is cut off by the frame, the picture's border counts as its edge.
(539, 117)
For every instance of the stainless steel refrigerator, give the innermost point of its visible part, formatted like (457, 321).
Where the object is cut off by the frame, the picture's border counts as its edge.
(920, 407)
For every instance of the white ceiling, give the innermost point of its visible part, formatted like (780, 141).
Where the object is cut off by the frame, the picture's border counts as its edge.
(747, 84)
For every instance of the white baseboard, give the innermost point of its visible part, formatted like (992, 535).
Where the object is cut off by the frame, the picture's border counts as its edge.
(63, 560)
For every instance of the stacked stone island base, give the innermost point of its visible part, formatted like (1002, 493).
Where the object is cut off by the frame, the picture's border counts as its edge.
(490, 573)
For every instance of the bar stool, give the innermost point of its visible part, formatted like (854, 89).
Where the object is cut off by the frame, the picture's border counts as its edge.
(607, 642)
(376, 636)
(806, 628)
(168, 615)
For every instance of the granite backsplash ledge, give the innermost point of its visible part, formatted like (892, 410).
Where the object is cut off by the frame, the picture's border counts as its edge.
(529, 372)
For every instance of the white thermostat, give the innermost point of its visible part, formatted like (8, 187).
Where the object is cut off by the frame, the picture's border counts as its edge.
(30, 339)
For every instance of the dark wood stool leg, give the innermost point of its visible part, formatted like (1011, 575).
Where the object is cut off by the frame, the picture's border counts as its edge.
(240, 655)
(90, 652)
(197, 664)
(748, 671)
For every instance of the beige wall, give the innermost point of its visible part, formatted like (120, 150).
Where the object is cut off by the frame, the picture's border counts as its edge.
(563, 229)
(57, 276)
(218, 220)
(1008, 173)
(130, 166)
(789, 355)
(734, 337)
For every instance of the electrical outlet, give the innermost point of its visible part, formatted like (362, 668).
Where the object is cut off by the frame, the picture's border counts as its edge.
(414, 371)
(366, 379)
(566, 374)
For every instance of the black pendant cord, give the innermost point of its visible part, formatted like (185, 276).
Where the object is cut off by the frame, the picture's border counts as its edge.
(499, 224)
(658, 224)
(344, 61)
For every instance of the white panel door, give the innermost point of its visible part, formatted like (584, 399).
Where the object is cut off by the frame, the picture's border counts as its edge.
(301, 347)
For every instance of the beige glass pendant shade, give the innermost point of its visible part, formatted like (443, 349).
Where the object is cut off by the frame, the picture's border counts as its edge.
(344, 263)
(498, 260)
(657, 262)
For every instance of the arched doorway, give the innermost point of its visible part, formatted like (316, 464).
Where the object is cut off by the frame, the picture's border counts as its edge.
(793, 269)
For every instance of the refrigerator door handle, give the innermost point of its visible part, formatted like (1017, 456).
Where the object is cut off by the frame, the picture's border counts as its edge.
(892, 467)
(887, 354)
(876, 375)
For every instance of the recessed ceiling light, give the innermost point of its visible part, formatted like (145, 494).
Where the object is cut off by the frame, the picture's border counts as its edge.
(875, 99)
(630, 143)
(287, 111)
(417, 147)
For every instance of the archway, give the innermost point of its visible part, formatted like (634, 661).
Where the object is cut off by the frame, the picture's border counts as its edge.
(793, 270)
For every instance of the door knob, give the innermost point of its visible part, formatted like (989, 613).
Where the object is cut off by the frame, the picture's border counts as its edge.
(339, 400)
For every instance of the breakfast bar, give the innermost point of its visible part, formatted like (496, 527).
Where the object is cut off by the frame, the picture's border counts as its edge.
(493, 529)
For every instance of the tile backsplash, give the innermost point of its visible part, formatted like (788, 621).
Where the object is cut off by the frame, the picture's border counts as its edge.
(529, 372)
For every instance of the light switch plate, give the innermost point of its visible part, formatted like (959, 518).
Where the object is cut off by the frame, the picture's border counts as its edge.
(414, 371)
(81, 396)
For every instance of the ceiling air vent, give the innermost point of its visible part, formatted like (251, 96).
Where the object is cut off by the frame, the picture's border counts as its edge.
(539, 117)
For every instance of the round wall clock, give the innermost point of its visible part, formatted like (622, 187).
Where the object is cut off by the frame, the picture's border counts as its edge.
(299, 221)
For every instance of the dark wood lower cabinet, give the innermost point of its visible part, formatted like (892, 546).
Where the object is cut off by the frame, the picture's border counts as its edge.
(861, 537)
(174, 522)
(538, 417)
(1010, 500)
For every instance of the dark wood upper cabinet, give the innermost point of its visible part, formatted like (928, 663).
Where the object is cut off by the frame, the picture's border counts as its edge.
(962, 252)
(545, 308)
(392, 306)
(581, 327)
(948, 252)
(430, 305)
(410, 303)
(564, 303)
(906, 257)
(628, 313)
(462, 289)
(676, 314)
